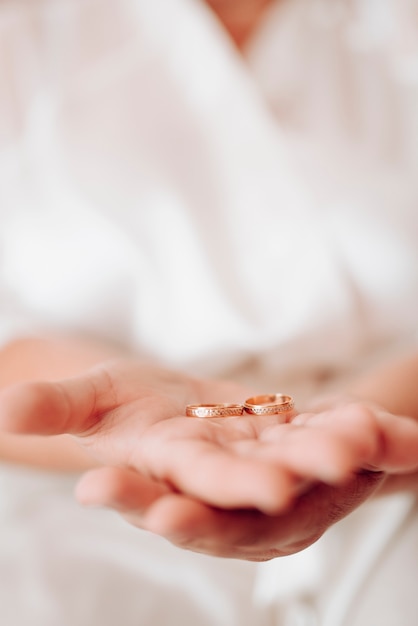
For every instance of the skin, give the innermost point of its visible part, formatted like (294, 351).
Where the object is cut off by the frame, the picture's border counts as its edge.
(240, 19)
(287, 480)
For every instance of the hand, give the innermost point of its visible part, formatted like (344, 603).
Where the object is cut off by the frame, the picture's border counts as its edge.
(132, 416)
(251, 534)
(246, 534)
(250, 487)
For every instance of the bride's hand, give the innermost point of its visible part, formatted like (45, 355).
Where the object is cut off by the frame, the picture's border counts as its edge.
(132, 416)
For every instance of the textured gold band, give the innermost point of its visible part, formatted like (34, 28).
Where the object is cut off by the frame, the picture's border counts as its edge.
(214, 410)
(269, 404)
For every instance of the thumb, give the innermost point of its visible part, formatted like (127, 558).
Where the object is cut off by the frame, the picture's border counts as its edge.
(73, 405)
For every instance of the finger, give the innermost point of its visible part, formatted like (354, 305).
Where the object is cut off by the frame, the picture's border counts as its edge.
(385, 442)
(355, 425)
(240, 534)
(249, 534)
(120, 489)
(316, 454)
(51, 408)
(193, 525)
(220, 477)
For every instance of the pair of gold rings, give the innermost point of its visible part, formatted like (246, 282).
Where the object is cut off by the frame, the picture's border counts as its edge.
(268, 404)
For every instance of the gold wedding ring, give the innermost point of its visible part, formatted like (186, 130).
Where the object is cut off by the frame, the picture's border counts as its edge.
(214, 410)
(269, 404)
